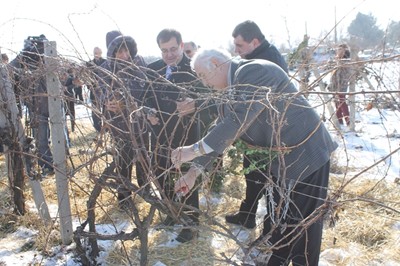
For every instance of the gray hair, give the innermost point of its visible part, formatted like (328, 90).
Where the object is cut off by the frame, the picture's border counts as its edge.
(204, 56)
(193, 44)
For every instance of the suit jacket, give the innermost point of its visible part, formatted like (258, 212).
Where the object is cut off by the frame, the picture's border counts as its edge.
(175, 131)
(264, 109)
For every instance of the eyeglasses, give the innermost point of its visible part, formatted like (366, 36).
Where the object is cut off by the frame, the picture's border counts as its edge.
(188, 51)
(171, 50)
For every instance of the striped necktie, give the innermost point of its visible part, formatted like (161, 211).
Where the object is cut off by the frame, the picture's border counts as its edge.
(169, 71)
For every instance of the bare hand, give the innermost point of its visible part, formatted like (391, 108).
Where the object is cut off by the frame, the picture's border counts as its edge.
(186, 182)
(153, 119)
(77, 82)
(113, 106)
(181, 155)
(186, 107)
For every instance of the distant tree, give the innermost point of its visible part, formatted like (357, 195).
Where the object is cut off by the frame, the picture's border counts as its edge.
(363, 29)
(393, 34)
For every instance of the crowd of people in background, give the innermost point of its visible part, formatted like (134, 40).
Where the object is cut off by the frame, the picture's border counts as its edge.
(161, 114)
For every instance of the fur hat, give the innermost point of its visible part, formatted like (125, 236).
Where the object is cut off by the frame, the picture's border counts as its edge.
(117, 42)
(111, 35)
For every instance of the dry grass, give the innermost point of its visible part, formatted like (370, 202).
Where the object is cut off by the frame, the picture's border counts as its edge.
(364, 229)
(198, 252)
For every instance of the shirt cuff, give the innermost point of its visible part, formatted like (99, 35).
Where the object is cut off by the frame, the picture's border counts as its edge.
(204, 148)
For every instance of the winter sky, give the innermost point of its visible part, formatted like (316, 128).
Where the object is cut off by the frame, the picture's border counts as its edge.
(77, 26)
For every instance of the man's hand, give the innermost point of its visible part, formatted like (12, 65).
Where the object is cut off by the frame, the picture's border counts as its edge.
(182, 154)
(186, 182)
(113, 106)
(185, 107)
(153, 119)
(77, 82)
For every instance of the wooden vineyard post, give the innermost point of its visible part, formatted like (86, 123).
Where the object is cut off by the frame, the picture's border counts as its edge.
(58, 140)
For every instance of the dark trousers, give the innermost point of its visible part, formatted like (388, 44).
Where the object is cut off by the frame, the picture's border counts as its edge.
(127, 157)
(131, 148)
(78, 93)
(96, 110)
(42, 136)
(95, 117)
(342, 109)
(143, 160)
(255, 182)
(124, 163)
(70, 110)
(300, 244)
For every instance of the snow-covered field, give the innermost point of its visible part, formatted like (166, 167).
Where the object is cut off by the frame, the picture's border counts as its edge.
(377, 134)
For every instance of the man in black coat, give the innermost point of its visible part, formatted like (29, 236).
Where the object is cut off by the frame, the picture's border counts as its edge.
(173, 81)
(26, 64)
(250, 43)
(93, 87)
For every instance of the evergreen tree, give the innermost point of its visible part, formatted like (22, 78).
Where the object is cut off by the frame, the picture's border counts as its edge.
(364, 29)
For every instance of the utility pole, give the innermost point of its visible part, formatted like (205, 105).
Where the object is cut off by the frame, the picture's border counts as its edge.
(305, 28)
(335, 27)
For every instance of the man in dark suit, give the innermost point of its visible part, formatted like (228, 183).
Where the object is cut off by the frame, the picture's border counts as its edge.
(174, 82)
(265, 111)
